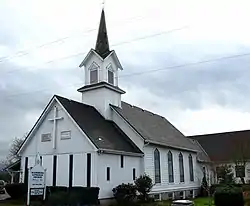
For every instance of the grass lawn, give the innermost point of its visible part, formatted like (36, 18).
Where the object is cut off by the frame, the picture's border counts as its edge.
(198, 202)
(204, 201)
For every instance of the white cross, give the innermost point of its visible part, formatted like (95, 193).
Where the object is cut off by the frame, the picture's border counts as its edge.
(55, 118)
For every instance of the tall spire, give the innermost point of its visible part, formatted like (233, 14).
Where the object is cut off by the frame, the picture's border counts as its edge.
(102, 42)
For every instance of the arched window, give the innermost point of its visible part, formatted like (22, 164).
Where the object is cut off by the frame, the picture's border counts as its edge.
(157, 166)
(93, 73)
(191, 167)
(170, 167)
(181, 167)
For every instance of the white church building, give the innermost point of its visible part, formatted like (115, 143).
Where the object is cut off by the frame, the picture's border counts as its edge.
(103, 141)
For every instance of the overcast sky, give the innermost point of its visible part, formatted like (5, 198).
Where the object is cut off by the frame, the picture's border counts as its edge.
(54, 37)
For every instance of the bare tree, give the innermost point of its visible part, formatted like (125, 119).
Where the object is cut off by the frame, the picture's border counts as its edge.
(14, 147)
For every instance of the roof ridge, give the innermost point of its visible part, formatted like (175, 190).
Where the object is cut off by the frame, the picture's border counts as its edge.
(213, 134)
(144, 110)
(78, 102)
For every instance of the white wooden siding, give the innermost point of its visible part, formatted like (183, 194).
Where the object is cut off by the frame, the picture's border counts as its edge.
(118, 175)
(165, 186)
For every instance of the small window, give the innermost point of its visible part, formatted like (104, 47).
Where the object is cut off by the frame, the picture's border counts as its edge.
(108, 173)
(46, 137)
(65, 135)
(110, 77)
(93, 76)
(134, 174)
(41, 160)
(122, 161)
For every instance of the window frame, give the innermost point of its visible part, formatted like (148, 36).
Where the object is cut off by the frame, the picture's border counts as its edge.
(113, 77)
(181, 168)
(170, 167)
(64, 132)
(45, 135)
(191, 167)
(110, 70)
(157, 166)
(122, 161)
(108, 174)
(94, 67)
(134, 174)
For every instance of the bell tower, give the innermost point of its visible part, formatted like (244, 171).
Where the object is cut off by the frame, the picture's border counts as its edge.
(101, 67)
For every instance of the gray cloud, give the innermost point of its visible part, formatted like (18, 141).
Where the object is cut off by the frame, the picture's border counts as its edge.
(24, 93)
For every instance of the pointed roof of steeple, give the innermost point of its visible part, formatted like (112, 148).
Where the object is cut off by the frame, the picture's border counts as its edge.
(102, 42)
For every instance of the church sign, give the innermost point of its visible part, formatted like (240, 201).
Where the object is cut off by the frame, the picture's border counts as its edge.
(37, 181)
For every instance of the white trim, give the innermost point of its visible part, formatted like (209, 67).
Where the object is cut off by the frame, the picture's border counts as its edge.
(169, 146)
(109, 151)
(91, 67)
(87, 56)
(111, 53)
(62, 153)
(83, 133)
(106, 84)
(41, 118)
(116, 58)
(37, 124)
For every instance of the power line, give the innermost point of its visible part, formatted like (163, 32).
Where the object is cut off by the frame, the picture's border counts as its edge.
(150, 71)
(117, 44)
(191, 64)
(59, 40)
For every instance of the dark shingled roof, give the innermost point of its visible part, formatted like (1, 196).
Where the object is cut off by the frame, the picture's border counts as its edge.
(102, 42)
(202, 156)
(153, 127)
(95, 126)
(224, 147)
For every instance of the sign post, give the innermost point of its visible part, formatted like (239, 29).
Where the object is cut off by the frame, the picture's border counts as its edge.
(36, 181)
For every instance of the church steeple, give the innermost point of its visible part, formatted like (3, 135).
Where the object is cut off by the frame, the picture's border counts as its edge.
(102, 42)
(101, 67)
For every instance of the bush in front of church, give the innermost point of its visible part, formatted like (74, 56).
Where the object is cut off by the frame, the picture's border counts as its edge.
(16, 190)
(144, 185)
(228, 195)
(125, 194)
(73, 196)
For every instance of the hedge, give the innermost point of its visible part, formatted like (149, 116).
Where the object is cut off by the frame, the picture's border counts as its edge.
(245, 187)
(125, 194)
(58, 195)
(73, 196)
(228, 196)
(16, 190)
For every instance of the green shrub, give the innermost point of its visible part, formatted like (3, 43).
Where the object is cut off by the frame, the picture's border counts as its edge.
(58, 198)
(228, 196)
(16, 191)
(56, 189)
(204, 188)
(124, 193)
(73, 196)
(144, 185)
(84, 195)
